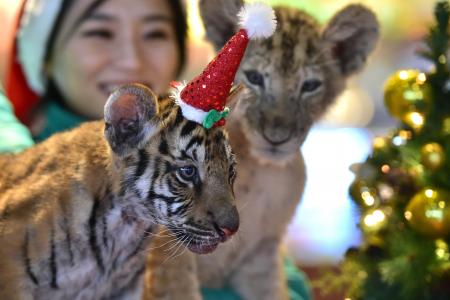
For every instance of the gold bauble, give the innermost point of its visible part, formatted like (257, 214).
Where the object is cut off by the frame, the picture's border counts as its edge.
(415, 120)
(432, 156)
(441, 251)
(362, 194)
(406, 91)
(380, 142)
(373, 220)
(428, 212)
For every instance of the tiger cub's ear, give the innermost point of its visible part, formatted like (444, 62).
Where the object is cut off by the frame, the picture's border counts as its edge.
(131, 118)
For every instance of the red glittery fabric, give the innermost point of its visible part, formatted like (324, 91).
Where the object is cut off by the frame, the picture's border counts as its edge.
(210, 89)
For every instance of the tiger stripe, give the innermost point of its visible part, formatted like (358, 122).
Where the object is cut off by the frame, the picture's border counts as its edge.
(96, 251)
(27, 260)
(53, 260)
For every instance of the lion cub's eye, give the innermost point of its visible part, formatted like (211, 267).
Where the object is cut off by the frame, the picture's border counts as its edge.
(254, 77)
(311, 85)
(187, 173)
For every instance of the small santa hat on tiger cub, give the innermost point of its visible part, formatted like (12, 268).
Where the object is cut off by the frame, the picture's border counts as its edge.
(203, 99)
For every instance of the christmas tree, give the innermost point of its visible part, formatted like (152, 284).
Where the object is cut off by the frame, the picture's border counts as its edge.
(402, 190)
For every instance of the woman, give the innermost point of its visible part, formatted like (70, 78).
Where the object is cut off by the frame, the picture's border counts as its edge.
(70, 54)
(73, 53)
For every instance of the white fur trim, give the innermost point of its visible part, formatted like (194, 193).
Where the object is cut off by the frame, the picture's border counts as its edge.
(258, 19)
(189, 112)
(36, 25)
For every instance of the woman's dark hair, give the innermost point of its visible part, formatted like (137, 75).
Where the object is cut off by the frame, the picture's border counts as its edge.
(179, 23)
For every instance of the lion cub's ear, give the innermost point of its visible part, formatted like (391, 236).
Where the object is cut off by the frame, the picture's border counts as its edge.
(352, 34)
(131, 118)
(237, 93)
(220, 19)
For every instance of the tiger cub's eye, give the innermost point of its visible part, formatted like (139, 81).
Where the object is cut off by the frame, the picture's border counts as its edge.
(187, 172)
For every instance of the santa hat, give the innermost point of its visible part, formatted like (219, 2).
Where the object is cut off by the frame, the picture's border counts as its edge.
(25, 81)
(203, 99)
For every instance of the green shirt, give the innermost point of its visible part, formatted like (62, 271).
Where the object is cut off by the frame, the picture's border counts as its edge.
(297, 283)
(14, 136)
(58, 119)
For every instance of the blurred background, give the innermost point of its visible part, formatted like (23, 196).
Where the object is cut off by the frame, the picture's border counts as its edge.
(325, 224)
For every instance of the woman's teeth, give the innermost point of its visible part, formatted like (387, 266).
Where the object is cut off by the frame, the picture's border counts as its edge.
(109, 88)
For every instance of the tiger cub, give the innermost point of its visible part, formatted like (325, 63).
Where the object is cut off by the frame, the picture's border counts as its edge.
(77, 212)
(291, 79)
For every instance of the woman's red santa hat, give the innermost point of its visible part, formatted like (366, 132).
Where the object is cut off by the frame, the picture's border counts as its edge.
(203, 99)
(25, 81)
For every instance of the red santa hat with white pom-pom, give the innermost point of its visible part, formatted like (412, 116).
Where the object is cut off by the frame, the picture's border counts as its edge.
(203, 99)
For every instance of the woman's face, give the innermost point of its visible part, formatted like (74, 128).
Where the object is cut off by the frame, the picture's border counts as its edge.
(120, 42)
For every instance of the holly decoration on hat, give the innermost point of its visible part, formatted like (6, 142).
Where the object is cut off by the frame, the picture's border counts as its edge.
(204, 98)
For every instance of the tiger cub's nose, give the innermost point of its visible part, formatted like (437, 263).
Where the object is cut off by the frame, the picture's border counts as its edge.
(225, 222)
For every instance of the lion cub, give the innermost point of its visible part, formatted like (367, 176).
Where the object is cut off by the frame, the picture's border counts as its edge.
(292, 78)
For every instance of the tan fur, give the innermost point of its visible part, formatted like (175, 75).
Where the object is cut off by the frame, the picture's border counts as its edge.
(267, 129)
(182, 266)
(36, 191)
(77, 212)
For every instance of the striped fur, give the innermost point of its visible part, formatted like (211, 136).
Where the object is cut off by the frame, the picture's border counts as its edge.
(76, 218)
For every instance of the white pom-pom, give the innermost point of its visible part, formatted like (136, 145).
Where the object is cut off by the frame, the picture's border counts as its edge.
(258, 19)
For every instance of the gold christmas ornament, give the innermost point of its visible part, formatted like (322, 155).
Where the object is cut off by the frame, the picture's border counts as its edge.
(432, 156)
(428, 212)
(417, 171)
(418, 175)
(405, 92)
(373, 220)
(415, 120)
(381, 144)
(363, 194)
(442, 250)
